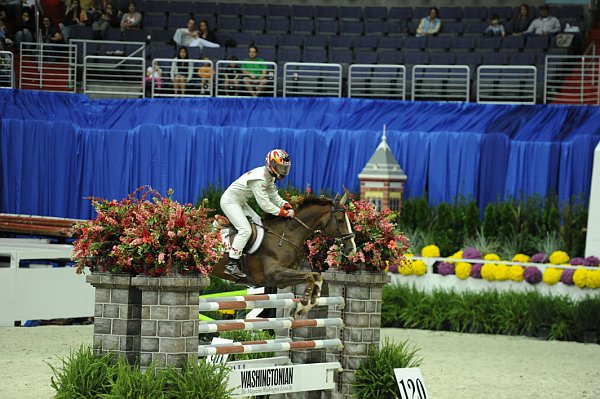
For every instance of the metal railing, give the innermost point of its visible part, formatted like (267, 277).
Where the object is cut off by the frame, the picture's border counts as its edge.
(114, 76)
(506, 84)
(246, 79)
(441, 82)
(572, 79)
(377, 81)
(312, 79)
(7, 76)
(49, 67)
(170, 77)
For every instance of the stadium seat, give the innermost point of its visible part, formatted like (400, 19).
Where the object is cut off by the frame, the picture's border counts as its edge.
(301, 25)
(390, 58)
(257, 10)
(326, 12)
(494, 59)
(463, 43)
(302, 11)
(326, 27)
(253, 24)
(449, 14)
(278, 10)
(277, 24)
(229, 9)
(314, 55)
(291, 41)
(488, 43)
(350, 13)
(376, 14)
(475, 14)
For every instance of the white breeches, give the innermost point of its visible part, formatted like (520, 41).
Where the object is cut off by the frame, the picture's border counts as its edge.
(238, 213)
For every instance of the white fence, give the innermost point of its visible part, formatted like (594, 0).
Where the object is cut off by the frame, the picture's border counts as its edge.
(572, 79)
(506, 84)
(377, 81)
(441, 82)
(246, 79)
(115, 76)
(50, 67)
(7, 77)
(169, 77)
(312, 79)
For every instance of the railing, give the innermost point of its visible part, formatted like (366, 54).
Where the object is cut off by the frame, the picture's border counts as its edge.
(572, 79)
(246, 79)
(377, 81)
(49, 67)
(114, 76)
(441, 82)
(170, 77)
(312, 79)
(506, 84)
(7, 78)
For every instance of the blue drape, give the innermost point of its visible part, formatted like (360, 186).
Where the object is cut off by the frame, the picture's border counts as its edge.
(58, 148)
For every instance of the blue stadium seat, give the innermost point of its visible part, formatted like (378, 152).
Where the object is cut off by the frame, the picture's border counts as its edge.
(266, 40)
(326, 12)
(488, 43)
(257, 10)
(401, 13)
(203, 8)
(340, 56)
(390, 57)
(268, 53)
(448, 14)
(291, 41)
(162, 51)
(537, 42)
(438, 43)
(475, 14)
(302, 11)
(350, 13)
(421, 12)
(154, 6)
(351, 28)
(252, 23)
(278, 10)
(243, 39)
(178, 7)
(277, 24)
(379, 27)
(194, 53)
(365, 57)
(301, 25)
(415, 43)
(474, 28)
(178, 21)
(229, 23)
(215, 54)
(452, 29)
(316, 42)
(229, 9)
(289, 55)
(526, 58)
(442, 58)
(494, 59)
(575, 12)
(340, 42)
(134, 35)
(504, 13)
(326, 27)
(158, 21)
(390, 43)
(375, 13)
(240, 52)
(80, 32)
(369, 43)
(513, 43)
(473, 60)
(462, 43)
(314, 55)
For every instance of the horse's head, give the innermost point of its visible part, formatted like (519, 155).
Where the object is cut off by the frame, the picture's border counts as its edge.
(339, 226)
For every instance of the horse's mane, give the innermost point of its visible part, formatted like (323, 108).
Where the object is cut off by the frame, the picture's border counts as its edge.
(305, 201)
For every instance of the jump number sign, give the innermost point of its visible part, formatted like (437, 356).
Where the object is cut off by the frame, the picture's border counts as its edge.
(410, 383)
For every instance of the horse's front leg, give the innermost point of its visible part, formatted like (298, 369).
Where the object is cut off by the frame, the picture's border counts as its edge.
(287, 277)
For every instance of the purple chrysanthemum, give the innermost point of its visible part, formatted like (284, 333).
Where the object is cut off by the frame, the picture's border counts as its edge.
(591, 261)
(445, 268)
(476, 270)
(576, 261)
(532, 275)
(471, 253)
(566, 276)
(540, 257)
(393, 268)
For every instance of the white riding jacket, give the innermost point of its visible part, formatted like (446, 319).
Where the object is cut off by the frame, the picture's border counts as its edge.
(257, 183)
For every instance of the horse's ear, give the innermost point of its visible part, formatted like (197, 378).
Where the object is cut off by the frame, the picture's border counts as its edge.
(337, 198)
(344, 198)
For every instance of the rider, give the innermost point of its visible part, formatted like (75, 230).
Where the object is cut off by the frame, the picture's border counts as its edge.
(260, 184)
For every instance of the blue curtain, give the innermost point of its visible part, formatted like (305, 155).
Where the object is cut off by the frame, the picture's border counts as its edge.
(58, 148)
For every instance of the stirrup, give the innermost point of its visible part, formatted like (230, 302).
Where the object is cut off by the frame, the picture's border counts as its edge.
(236, 270)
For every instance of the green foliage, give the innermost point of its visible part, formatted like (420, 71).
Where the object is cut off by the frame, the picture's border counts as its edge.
(587, 314)
(133, 383)
(482, 243)
(198, 380)
(574, 226)
(375, 377)
(83, 375)
(218, 285)
(242, 336)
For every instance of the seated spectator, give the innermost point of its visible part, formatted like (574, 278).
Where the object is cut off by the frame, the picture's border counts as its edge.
(75, 16)
(5, 67)
(25, 31)
(186, 36)
(545, 24)
(254, 75)
(108, 19)
(131, 19)
(181, 71)
(205, 34)
(205, 73)
(232, 77)
(49, 33)
(153, 75)
(521, 22)
(495, 28)
(430, 25)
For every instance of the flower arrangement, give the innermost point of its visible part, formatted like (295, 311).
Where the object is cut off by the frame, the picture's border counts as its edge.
(377, 237)
(430, 251)
(551, 275)
(558, 258)
(150, 234)
(409, 266)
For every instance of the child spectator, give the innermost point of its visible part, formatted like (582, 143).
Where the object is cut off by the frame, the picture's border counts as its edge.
(495, 28)
(205, 73)
(153, 74)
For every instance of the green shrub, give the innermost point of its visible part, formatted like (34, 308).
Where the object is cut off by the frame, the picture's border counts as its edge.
(198, 380)
(375, 377)
(83, 374)
(133, 383)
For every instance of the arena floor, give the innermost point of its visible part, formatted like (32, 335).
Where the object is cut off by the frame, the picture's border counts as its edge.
(455, 365)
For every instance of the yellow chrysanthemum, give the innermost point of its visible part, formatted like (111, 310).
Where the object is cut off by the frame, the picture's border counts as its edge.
(559, 258)
(593, 280)
(419, 268)
(488, 271)
(462, 270)
(515, 273)
(580, 278)
(551, 275)
(492, 257)
(521, 258)
(430, 251)
(406, 265)
(502, 272)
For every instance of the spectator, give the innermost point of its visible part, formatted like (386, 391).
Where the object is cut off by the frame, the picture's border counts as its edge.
(108, 19)
(495, 28)
(25, 31)
(49, 33)
(545, 24)
(181, 71)
(205, 73)
(131, 19)
(5, 67)
(206, 34)
(74, 16)
(254, 74)
(186, 36)
(232, 76)
(521, 22)
(430, 25)
(153, 75)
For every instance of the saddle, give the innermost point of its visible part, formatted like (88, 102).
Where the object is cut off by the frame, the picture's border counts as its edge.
(228, 232)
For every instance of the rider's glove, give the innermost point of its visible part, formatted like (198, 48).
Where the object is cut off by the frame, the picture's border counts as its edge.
(288, 213)
(287, 205)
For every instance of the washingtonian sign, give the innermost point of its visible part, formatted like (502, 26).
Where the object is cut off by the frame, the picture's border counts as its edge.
(282, 379)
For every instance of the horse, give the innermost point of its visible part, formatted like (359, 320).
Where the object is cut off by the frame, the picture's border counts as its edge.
(277, 261)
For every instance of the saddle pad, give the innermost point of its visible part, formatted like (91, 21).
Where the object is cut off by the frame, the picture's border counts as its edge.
(260, 234)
